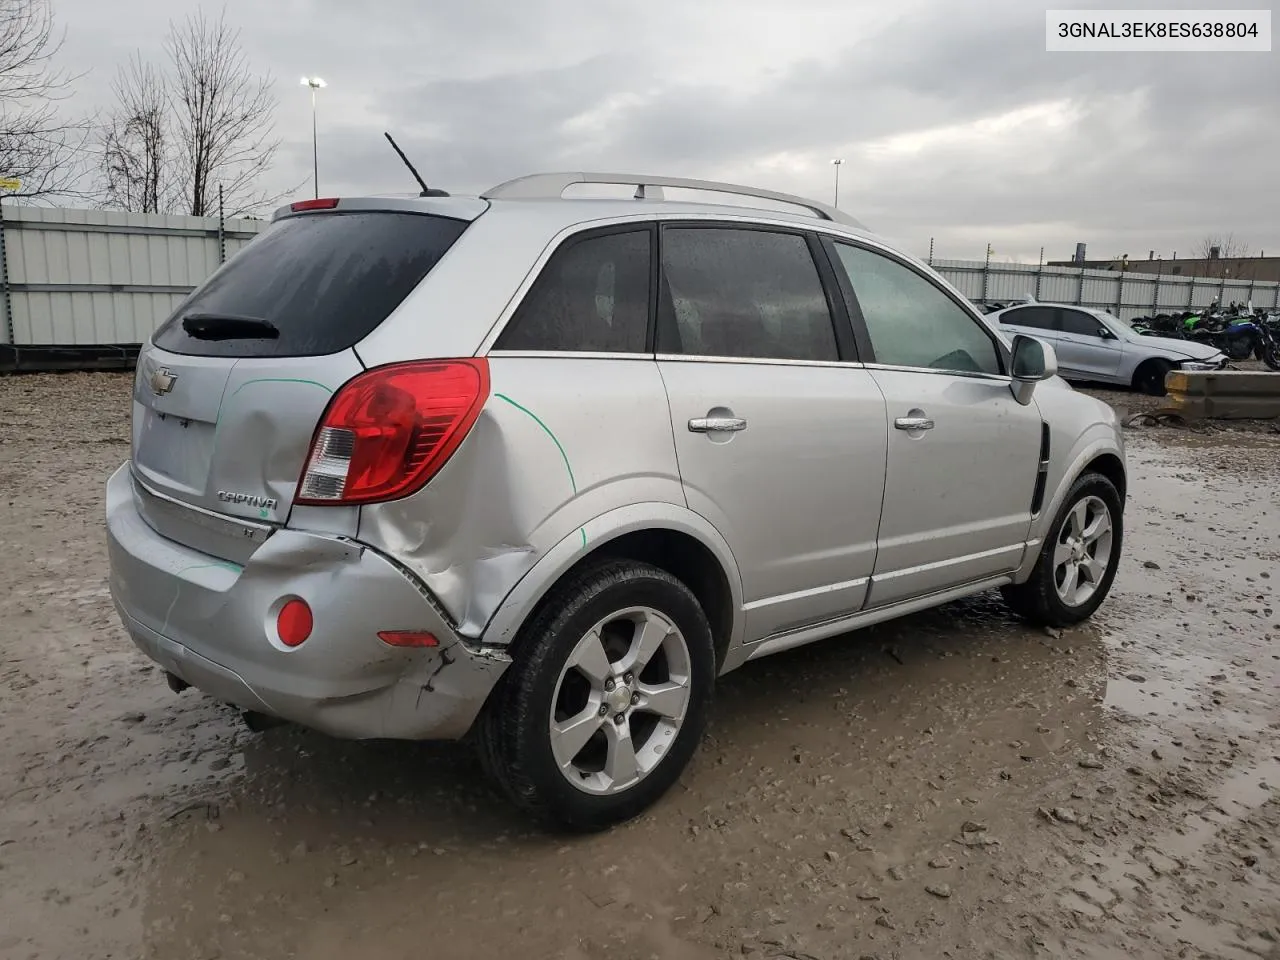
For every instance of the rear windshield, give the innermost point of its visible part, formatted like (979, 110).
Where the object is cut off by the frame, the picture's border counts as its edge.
(309, 285)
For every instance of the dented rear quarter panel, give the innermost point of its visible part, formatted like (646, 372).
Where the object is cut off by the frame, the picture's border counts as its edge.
(560, 442)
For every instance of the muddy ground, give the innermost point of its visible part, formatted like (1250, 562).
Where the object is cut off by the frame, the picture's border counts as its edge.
(953, 785)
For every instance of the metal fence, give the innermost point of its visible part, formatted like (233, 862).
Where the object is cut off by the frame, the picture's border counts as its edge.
(88, 277)
(1124, 294)
(85, 278)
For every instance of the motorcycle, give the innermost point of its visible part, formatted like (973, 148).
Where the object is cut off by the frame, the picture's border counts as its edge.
(1268, 346)
(1235, 334)
(1161, 325)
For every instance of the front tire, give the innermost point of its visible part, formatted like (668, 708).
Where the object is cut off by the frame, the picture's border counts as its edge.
(1078, 560)
(606, 701)
(1149, 377)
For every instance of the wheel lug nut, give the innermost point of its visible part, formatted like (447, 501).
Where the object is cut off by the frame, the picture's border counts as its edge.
(604, 709)
(628, 678)
(619, 718)
(635, 698)
(609, 685)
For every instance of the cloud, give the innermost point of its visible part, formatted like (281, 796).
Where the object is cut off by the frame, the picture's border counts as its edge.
(953, 121)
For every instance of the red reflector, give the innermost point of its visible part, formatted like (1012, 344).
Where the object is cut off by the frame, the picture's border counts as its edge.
(293, 622)
(389, 430)
(408, 638)
(324, 203)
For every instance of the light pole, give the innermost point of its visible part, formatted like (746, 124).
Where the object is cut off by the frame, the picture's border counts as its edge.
(315, 83)
(836, 163)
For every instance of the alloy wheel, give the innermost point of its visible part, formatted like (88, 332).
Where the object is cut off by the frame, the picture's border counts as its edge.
(620, 701)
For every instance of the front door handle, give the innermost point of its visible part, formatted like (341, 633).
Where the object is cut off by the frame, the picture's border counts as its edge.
(717, 424)
(913, 423)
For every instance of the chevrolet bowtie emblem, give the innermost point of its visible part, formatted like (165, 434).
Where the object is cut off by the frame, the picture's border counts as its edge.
(162, 381)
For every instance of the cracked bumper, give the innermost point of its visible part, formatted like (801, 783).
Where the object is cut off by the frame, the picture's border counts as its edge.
(210, 623)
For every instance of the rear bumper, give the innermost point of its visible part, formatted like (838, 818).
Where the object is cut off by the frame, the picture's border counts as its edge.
(211, 623)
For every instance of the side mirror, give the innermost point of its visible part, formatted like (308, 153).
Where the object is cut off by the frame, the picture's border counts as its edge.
(1106, 334)
(1033, 361)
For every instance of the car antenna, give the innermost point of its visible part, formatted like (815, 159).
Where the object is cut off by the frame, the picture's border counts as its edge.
(426, 191)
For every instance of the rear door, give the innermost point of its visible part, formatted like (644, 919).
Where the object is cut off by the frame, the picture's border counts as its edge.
(229, 391)
(779, 432)
(1034, 321)
(1085, 347)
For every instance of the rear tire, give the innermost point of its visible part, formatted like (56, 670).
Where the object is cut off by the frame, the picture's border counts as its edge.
(1149, 377)
(551, 736)
(1054, 596)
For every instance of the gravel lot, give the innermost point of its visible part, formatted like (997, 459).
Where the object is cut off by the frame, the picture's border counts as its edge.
(953, 785)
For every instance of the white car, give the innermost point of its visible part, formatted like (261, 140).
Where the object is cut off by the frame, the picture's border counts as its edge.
(1096, 346)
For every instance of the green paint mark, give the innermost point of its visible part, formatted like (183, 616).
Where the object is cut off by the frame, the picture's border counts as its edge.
(582, 530)
(573, 483)
(177, 592)
(311, 383)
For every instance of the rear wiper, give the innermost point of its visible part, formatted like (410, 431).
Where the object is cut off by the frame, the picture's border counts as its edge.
(225, 326)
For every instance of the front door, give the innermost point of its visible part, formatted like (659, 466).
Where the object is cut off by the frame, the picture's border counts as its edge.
(962, 453)
(780, 436)
(1086, 349)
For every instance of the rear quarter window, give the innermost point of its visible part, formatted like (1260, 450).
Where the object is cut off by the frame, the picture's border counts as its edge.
(323, 281)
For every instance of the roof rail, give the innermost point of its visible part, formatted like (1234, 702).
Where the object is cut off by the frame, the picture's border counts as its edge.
(548, 186)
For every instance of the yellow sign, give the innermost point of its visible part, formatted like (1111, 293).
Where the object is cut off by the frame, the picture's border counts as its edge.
(10, 183)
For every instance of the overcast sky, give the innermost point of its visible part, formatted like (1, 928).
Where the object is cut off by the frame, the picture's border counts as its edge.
(952, 120)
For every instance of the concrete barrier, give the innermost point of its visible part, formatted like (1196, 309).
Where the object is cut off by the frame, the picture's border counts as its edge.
(1223, 395)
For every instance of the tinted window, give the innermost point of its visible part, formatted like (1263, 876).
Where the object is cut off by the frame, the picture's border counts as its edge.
(911, 322)
(1038, 318)
(323, 281)
(743, 293)
(593, 295)
(1073, 321)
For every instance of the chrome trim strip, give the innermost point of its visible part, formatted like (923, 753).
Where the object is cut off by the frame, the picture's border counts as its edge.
(569, 355)
(967, 374)
(672, 358)
(830, 628)
(759, 361)
(803, 594)
(943, 564)
(217, 522)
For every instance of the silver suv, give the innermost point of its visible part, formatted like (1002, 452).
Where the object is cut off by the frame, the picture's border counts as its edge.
(536, 470)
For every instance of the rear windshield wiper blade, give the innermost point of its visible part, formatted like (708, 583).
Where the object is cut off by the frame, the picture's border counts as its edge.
(225, 326)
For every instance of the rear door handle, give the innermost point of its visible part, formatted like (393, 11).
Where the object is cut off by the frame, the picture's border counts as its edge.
(913, 423)
(717, 424)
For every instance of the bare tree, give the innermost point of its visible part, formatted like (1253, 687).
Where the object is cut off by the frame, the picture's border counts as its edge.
(222, 117)
(37, 144)
(136, 145)
(1226, 245)
(1225, 256)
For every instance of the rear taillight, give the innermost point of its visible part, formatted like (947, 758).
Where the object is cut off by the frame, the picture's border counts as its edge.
(388, 431)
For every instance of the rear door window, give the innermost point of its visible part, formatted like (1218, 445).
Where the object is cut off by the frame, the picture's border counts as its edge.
(1035, 318)
(309, 285)
(592, 297)
(744, 294)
